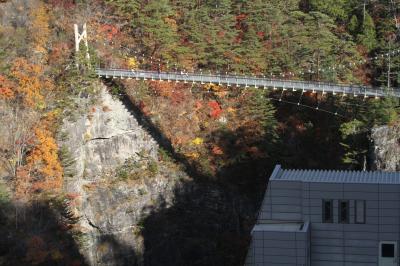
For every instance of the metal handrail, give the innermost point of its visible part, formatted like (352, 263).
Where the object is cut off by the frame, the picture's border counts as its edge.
(253, 81)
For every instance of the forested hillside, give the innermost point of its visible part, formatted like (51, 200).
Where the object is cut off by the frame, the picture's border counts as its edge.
(226, 139)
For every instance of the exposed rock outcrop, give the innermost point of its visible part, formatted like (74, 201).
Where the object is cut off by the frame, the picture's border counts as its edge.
(385, 148)
(109, 208)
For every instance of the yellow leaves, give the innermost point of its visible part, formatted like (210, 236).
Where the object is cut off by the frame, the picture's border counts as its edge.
(132, 63)
(40, 30)
(213, 87)
(216, 89)
(221, 94)
(197, 141)
(231, 110)
(172, 23)
(192, 155)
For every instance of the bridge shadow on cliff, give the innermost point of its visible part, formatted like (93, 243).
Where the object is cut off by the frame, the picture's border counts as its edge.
(210, 220)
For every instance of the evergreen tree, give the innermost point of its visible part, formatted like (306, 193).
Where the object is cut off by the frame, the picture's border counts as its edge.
(259, 109)
(127, 8)
(221, 33)
(353, 25)
(333, 8)
(158, 29)
(367, 37)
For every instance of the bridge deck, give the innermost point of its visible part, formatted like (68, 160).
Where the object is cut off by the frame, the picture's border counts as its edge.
(231, 80)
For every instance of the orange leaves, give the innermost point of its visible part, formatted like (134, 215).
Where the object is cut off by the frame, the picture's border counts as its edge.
(31, 85)
(177, 93)
(6, 91)
(163, 89)
(44, 158)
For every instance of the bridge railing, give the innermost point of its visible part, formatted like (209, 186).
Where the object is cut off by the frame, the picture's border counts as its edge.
(251, 81)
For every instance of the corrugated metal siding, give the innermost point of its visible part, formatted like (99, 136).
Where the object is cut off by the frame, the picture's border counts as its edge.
(298, 195)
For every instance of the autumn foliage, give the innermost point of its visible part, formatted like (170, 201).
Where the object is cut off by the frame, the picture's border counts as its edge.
(216, 110)
(43, 158)
(40, 29)
(6, 86)
(31, 85)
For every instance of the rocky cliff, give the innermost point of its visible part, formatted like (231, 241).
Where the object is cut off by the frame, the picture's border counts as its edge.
(385, 148)
(134, 202)
(110, 205)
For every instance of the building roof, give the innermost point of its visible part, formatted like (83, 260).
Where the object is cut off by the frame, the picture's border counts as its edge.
(333, 176)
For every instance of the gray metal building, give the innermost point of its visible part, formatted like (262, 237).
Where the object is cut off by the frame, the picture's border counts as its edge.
(328, 218)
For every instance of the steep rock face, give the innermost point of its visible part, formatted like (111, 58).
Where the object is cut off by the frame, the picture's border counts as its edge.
(106, 137)
(385, 148)
(110, 209)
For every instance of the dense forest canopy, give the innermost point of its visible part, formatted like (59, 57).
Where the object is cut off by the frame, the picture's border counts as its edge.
(318, 40)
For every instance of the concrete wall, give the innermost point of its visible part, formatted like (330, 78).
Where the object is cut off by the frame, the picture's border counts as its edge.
(337, 244)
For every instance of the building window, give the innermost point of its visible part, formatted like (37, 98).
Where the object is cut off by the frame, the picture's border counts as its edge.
(387, 250)
(327, 211)
(344, 211)
(360, 212)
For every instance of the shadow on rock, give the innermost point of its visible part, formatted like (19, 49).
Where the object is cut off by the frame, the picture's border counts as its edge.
(35, 234)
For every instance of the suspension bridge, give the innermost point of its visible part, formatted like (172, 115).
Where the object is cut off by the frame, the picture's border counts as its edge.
(247, 81)
(238, 80)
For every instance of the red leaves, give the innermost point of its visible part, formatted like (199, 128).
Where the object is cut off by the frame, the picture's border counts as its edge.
(198, 105)
(109, 30)
(216, 150)
(72, 195)
(142, 106)
(5, 88)
(241, 17)
(215, 109)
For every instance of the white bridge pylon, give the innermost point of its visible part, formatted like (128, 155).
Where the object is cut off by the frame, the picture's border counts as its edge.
(239, 81)
(81, 37)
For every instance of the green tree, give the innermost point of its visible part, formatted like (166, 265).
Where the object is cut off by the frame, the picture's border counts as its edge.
(221, 33)
(333, 8)
(128, 8)
(353, 25)
(367, 37)
(258, 108)
(158, 29)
